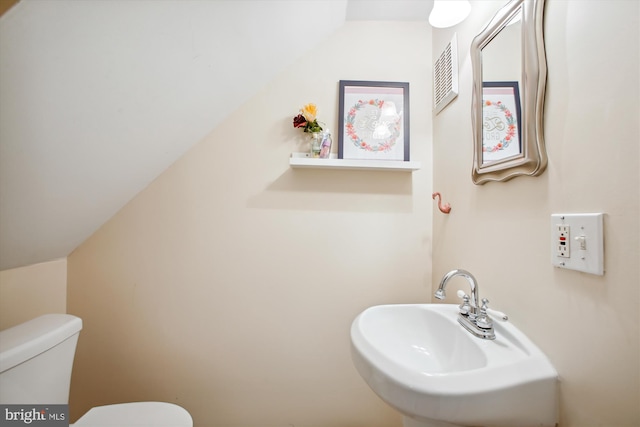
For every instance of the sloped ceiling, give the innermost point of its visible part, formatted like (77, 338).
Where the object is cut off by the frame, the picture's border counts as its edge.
(97, 98)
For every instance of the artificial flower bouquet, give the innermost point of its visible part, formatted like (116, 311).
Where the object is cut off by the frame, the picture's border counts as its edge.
(307, 119)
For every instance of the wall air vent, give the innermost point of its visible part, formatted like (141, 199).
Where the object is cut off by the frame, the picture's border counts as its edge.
(445, 76)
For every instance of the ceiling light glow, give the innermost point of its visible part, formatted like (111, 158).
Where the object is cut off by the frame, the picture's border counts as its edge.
(447, 13)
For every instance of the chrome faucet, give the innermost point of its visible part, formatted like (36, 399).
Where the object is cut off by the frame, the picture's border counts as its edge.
(473, 317)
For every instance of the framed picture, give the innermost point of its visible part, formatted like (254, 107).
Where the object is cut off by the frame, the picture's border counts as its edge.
(501, 121)
(373, 122)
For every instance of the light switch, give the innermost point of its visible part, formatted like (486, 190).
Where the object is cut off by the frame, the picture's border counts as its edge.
(577, 242)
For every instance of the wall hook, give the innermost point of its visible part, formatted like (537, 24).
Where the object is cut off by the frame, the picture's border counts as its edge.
(444, 208)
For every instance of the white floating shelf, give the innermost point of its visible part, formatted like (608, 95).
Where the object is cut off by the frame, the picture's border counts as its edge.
(302, 160)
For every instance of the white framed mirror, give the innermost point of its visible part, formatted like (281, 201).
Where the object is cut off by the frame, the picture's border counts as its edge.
(509, 79)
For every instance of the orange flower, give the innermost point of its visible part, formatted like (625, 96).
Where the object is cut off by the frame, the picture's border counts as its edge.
(309, 112)
(306, 120)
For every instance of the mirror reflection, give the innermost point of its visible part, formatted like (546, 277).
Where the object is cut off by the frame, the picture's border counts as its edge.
(502, 55)
(501, 82)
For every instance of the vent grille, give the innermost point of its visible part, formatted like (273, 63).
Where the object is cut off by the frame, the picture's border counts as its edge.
(445, 76)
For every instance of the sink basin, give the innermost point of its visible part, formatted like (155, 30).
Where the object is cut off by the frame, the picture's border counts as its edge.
(422, 362)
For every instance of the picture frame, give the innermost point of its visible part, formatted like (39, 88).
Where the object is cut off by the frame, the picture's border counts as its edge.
(373, 122)
(501, 121)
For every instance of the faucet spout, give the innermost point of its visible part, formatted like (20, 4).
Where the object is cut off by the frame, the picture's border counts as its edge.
(473, 283)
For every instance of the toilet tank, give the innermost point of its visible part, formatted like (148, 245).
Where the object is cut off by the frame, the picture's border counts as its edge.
(36, 358)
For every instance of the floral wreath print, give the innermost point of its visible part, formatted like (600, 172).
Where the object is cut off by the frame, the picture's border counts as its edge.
(494, 123)
(377, 117)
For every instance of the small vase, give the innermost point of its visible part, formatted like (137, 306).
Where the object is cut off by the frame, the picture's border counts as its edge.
(315, 144)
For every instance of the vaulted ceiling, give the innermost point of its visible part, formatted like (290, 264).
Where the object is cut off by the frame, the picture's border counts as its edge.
(97, 98)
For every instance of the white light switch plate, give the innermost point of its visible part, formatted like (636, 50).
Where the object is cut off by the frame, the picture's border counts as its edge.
(577, 242)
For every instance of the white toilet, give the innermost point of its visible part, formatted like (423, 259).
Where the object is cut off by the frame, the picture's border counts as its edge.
(36, 358)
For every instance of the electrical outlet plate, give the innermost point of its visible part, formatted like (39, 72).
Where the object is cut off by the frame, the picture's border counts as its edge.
(577, 242)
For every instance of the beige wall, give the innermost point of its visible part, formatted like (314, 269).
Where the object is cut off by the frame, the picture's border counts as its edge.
(229, 285)
(586, 324)
(31, 291)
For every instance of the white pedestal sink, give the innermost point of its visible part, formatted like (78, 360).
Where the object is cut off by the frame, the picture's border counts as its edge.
(422, 362)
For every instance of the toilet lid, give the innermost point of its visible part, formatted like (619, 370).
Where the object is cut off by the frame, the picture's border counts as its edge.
(137, 414)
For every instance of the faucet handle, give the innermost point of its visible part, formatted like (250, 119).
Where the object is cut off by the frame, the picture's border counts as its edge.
(483, 321)
(498, 315)
(495, 314)
(465, 307)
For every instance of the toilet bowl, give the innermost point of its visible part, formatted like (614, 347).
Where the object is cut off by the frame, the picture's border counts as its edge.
(36, 359)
